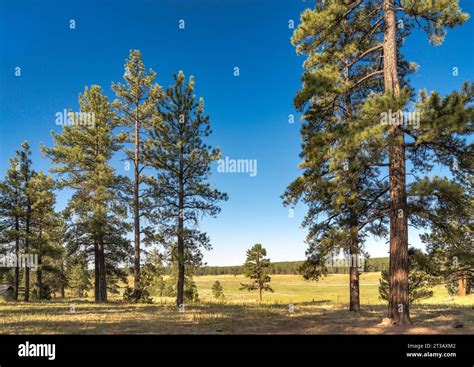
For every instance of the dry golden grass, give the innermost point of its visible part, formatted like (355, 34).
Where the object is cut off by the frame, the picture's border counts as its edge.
(205, 318)
(320, 308)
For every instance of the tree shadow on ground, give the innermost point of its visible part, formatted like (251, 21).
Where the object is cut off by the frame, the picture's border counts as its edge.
(212, 318)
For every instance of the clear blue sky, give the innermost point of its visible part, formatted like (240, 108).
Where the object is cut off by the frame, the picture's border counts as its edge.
(249, 113)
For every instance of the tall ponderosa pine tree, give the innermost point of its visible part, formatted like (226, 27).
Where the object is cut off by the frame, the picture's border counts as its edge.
(450, 244)
(11, 204)
(256, 267)
(181, 191)
(45, 228)
(342, 177)
(136, 107)
(431, 142)
(433, 17)
(28, 218)
(96, 215)
(26, 175)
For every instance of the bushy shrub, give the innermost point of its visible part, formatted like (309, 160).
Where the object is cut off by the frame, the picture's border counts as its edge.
(131, 295)
(420, 278)
(190, 289)
(46, 292)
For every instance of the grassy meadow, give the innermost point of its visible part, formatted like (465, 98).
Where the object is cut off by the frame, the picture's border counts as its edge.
(333, 289)
(319, 307)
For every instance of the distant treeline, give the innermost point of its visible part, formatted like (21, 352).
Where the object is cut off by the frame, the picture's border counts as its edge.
(292, 267)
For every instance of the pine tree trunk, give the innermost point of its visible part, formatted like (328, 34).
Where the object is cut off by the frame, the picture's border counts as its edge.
(181, 266)
(462, 285)
(39, 272)
(354, 289)
(181, 270)
(398, 308)
(96, 272)
(27, 235)
(27, 284)
(17, 253)
(102, 273)
(27, 265)
(39, 279)
(62, 285)
(39, 282)
(136, 210)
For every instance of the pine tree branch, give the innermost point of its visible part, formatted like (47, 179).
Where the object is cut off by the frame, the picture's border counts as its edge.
(381, 214)
(368, 76)
(365, 53)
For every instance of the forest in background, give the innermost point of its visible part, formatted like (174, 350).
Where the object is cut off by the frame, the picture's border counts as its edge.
(294, 267)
